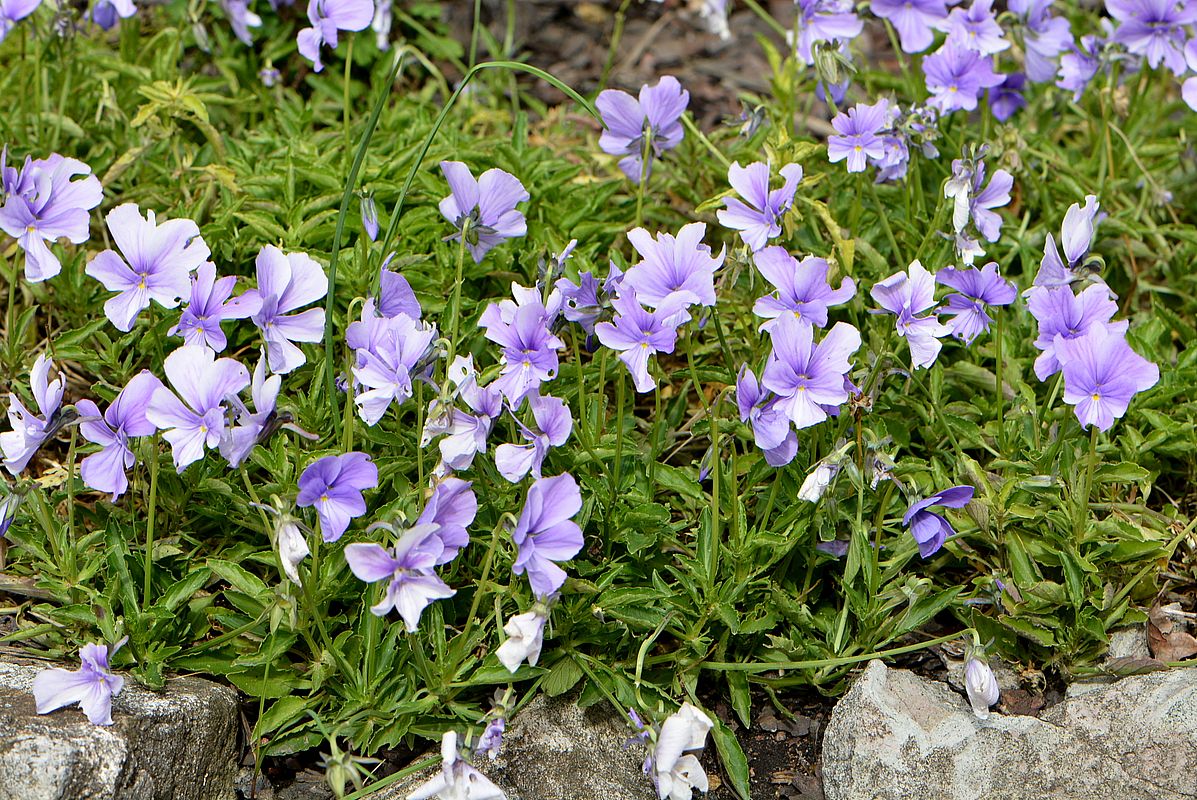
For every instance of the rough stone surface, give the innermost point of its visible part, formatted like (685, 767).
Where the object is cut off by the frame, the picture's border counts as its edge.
(178, 745)
(895, 736)
(554, 750)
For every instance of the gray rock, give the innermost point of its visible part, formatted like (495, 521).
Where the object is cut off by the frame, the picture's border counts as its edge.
(177, 745)
(1129, 642)
(895, 736)
(554, 750)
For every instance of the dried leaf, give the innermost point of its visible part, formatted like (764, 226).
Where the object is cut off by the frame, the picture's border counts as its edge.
(1166, 638)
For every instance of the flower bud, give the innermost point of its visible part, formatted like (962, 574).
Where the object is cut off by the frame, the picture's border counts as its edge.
(981, 685)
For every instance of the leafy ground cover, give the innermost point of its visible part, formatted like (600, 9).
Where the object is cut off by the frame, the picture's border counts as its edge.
(494, 398)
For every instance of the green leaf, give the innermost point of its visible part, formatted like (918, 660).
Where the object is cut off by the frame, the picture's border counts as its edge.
(735, 764)
(741, 698)
(562, 677)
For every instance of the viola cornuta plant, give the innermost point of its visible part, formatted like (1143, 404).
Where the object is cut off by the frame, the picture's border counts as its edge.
(612, 401)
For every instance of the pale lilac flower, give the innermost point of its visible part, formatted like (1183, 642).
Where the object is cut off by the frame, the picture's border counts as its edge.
(981, 685)
(1076, 234)
(105, 13)
(823, 21)
(525, 638)
(47, 205)
(1064, 315)
(1101, 374)
(30, 432)
(858, 135)
(328, 17)
(627, 121)
(409, 568)
(1080, 65)
(529, 352)
(13, 11)
(906, 295)
(1188, 89)
(457, 780)
(334, 486)
(816, 483)
(546, 532)
(802, 288)
(758, 216)
(809, 377)
(464, 434)
(681, 266)
(106, 470)
(483, 210)
(286, 283)
(975, 28)
(637, 333)
(10, 501)
(1006, 98)
(1044, 38)
(913, 19)
(241, 19)
(714, 13)
(581, 301)
(204, 383)
(210, 305)
(269, 76)
(251, 427)
(387, 370)
(676, 769)
(976, 290)
(452, 508)
(929, 529)
(553, 426)
(1154, 29)
(770, 427)
(956, 76)
(92, 686)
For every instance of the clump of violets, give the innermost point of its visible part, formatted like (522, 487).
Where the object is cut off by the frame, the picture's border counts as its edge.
(976, 291)
(975, 28)
(125, 418)
(195, 415)
(680, 267)
(328, 18)
(857, 136)
(546, 533)
(1101, 375)
(648, 125)
(930, 530)
(907, 295)
(387, 368)
(92, 686)
(333, 485)
(484, 210)
(287, 282)
(758, 216)
(29, 431)
(1063, 315)
(956, 76)
(803, 290)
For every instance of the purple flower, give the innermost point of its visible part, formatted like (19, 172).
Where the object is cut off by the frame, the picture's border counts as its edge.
(241, 19)
(553, 426)
(770, 427)
(204, 382)
(287, 282)
(974, 200)
(387, 369)
(975, 28)
(1006, 98)
(581, 300)
(464, 434)
(1064, 315)
(199, 323)
(30, 432)
(334, 485)
(1076, 234)
(452, 508)
(92, 686)
(1188, 89)
(913, 19)
(809, 377)
(1101, 375)
(9, 503)
(251, 427)
(369, 216)
(823, 21)
(413, 585)
(1154, 29)
(956, 76)
(1045, 37)
(483, 210)
(929, 529)
(638, 334)
(125, 418)
(327, 18)
(106, 12)
(657, 114)
(546, 532)
(47, 205)
(977, 289)
(13, 11)
(681, 266)
(858, 138)
(161, 258)
(758, 219)
(492, 738)
(906, 295)
(529, 351)
(1078, 67)
(802, 288)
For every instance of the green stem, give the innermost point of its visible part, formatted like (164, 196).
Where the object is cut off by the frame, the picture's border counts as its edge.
(616, 34)
(455, 298)
(767, 18)
(1082, 507)
(487, 562)
(617, 472)
(998, 330)
(690, 126)
(151, 516)
(345, 93)
(72, 567)
(881, 215)
(474, 33)
(642, 186)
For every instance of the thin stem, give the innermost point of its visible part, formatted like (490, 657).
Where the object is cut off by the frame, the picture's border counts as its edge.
(617, 473)
(151, 516)
(689, 125)
(999, 329)
(345, 94)
(70, 483)
(474, 33)
(767, 18)
(645, 172)
(881, 215)
(455, 298)
(1082, 508)
(486, 565)
(616, 34)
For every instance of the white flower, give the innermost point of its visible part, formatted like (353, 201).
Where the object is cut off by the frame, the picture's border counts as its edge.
(982, 687)
(677, 772)
(817, 481)
(292, 547)
(525, 636)
(457, 779)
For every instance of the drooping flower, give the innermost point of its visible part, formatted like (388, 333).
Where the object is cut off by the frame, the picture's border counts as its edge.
(809, 377)
(106, 470)
(210, 305)
(546, 532)
(1076, 234)
(1101, 375)
(328, 17)
(676, 769)
(582, 304)
(286, 283)
(368, 207)
(981, 685)
(681, 266)
(816, 483)
(652, 121)
(930, 530)
(157, 264)
(525, 638)
(906, 295)
(409, 568)
(975, 28)
(334, 486)
(770, 426)
(13, 11)
(464, 435)
(1044, 37)
(802, 288)
(457, 780)
(92, 686)
(553, 426)
(1154, 29)
(452, 508)
(637, 333)
(198, 420)
(250, 427)
(105, 13)
(975, 291)
(758, 216)
(858, 136)
(1064, 315)
(823, 21)
(384, 16)
(10, 501)
(30, 432)
(292, 546)
(956, 76)
(387, 369)
(913, 19)
(483, 210)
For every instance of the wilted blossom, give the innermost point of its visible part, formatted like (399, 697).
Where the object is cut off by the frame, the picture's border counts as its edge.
(1101, 375)
(384, 15)
(914, 20)
(106, 470)
(758, 216)
(858, 138)
(292, 545)
(823, 21)
(334, 486)
(818, 480)
(975, 28)
(976, 290)
(105, 13)
(714, 13)
(553, 425)
(269, 76)
(327, 18)
(1044, 37)
(525, 638)
(1076, 234)
(653, 121)
(676, 770)
(210, 305)
(457, 780)
(44, 204)
(1006, 98)
(387, 370)
(529, 351)
(92, 686)
(198, 420)
(546, 532)
(906, 295)
(1064, 315)
(250, 427)
(981, 685)
(770, 426)
(464, 435)
(802, 288)
(483, 210)
(13, 11)
(286, 283)
(9, 502)
(637, 333)
(491, 740)
(929, 529)
(452, 507)
(809, 378)
(973, 200)
(956, 77)
(409, 568)
(30, 432)
(1154, 29)
(681, 266)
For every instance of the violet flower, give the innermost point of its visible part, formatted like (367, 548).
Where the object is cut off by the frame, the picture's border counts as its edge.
(1154, 29)
(802, 288)
(241, 19)
(408, 566)
(637, 333)
(395, 295)
(652, 121)
(457, 780)
(452, 508)
(210, 305)
(160, 259)
(251, 427)
(483, 210)
(929, 529)
(12, 12)
(328, 17)
(47, 205)
(956, 76)
(105, 13)
(286, 283)
(1006, 98)
(1101, 374)
(1064, 315)
(1080, 65)
(30, 432)
(1076, 234)
(525, 638)
(681, 266)
(758, 216)
(334, 486)
(10, 501)
(913, 20)
(823, 21)
(464, 434)
(529, 352)
(973, 200)
(770, 426)
(809, 377)
(976, 290)
(581, 301)
(1044, 37)
(106, 470)
(198, 420)
(553, 426)
(369, 211)
(906, 295)
(546, 532)
(858, 138)
(387, 370)
(92, 686)
(975, 28)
